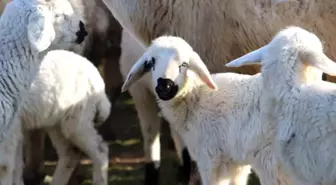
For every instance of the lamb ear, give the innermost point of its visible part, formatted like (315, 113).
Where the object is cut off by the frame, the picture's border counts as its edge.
(253, 57)
(196, 64)
(321, 62)
(141, 67)
(40, 29)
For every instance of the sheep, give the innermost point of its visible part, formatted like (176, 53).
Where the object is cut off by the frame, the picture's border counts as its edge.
(216, 115)
(101, 42)
(298, 103)
(147, 112)
(218, 30)
(28, 29)
(131, 51)
(68, 99)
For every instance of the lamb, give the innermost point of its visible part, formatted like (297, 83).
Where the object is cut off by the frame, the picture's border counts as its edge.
(147, 110)
(68, 99)
(299, 104)
(28, 28)
(100, 43)
(216, 115)
(217, 30)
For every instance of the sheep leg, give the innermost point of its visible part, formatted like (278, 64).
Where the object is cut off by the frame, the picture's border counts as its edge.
(68, 156)
(147, 111)
(145, 104)
(18, 171)
(240, 175)
(183, 155)
(113, 79)
(216, 172)
(91, 143)
(195, 178)
(206, 171)
(33, 148)
(8, 154)
(7, 167)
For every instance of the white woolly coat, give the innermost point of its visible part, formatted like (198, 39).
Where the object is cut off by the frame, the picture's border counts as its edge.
(66, 86)
(222, 129)
(17, 61)
(298, 103)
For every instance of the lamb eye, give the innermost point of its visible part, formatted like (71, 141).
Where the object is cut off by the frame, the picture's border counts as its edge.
(184, 64)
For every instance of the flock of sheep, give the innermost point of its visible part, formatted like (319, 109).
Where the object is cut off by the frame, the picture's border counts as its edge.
(180, 58)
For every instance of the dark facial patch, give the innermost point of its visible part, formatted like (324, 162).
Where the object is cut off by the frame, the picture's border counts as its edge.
(166, 89)
(149, 64)
(82, 33)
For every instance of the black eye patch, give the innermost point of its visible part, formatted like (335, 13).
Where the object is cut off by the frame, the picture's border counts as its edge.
(149, 65)
(184, 64)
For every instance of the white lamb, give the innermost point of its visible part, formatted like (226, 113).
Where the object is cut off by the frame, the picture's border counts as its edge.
(27, 28)
(220, 127)
(68, 99)
(299, 104)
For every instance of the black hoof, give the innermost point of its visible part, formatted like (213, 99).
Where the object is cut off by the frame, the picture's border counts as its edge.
(195, 178)
(151, 174)
(33, 178)
(324, 77)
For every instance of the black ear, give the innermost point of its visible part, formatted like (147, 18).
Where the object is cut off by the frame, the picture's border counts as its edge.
(149, 64)
(81, 33)
(140, 68)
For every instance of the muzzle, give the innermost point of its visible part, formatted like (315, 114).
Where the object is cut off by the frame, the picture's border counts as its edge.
(81, 34)
(166, 89)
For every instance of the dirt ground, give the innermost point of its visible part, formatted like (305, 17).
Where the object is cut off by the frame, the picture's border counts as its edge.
(126, 154)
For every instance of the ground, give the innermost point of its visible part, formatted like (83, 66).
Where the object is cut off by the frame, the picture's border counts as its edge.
(126, 155)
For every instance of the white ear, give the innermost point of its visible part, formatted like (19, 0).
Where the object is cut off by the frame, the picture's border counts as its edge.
(253, 57)
(321, 62)
(40, 29)
(196, 64)
(137, 71)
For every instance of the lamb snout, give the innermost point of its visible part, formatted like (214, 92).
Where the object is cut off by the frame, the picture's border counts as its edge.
(166, 89)
(81, 33)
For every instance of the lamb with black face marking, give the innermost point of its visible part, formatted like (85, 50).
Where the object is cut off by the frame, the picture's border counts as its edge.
(28, 29)
(216, 115)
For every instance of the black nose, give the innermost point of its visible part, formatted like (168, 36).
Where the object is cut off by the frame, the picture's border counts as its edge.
(166, 89)
(82, 33)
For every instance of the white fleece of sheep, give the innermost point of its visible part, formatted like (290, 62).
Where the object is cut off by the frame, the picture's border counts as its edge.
(16, 60)
(66, 85)
(298, 103)
(304, 111)
(222, 129)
